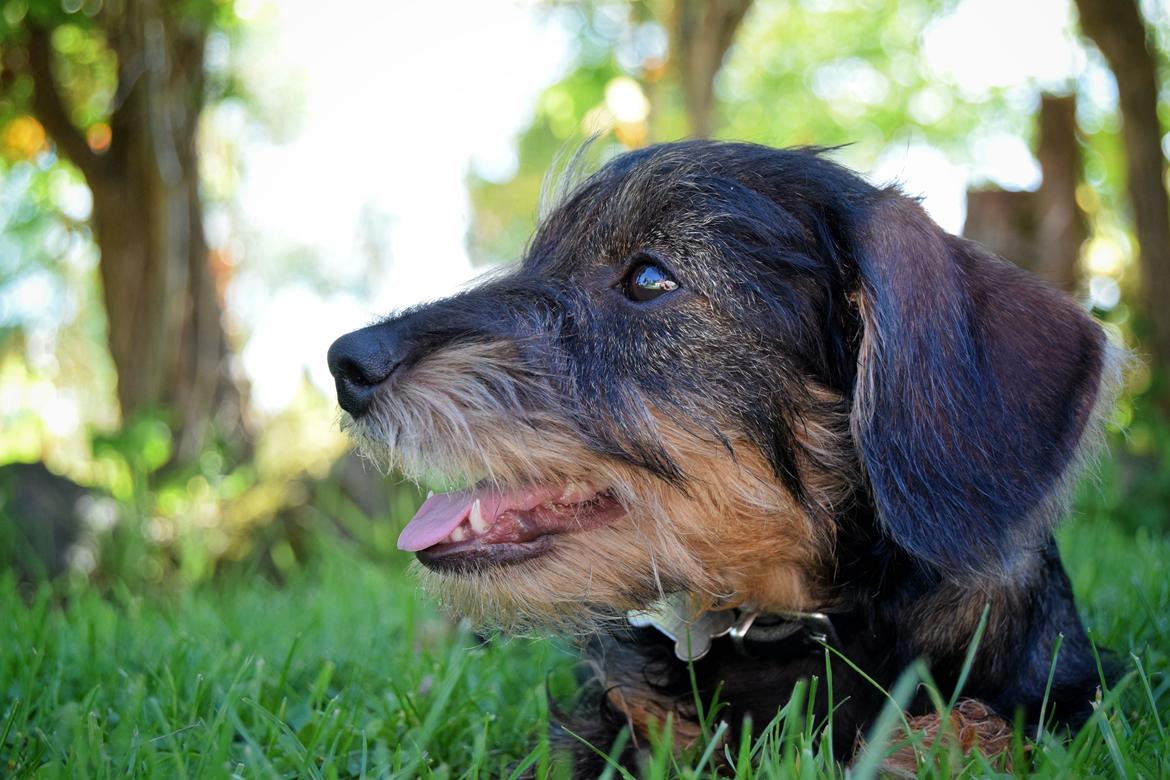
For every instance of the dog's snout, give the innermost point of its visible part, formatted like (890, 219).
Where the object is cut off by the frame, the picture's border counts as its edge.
(360, 362)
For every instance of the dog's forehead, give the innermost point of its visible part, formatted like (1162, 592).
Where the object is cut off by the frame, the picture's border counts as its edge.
(693, 195)
(649, 202)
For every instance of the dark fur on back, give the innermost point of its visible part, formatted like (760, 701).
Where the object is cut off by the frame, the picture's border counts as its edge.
(842, 408)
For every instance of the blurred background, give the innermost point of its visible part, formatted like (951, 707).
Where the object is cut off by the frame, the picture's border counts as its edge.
(197, 197)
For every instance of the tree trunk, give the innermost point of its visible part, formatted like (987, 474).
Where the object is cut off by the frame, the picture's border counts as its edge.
(164, 316)
(1060, 228)
(1117, 28)
(1041, 231)
(702, 31)
(1004, 221)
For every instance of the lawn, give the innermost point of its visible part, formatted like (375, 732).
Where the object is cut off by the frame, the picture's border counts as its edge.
(343, 670)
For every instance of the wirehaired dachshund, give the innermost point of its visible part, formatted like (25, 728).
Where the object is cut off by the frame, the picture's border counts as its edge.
(738, 410)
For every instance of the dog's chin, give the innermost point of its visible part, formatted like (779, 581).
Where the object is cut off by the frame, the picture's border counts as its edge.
(478, 529)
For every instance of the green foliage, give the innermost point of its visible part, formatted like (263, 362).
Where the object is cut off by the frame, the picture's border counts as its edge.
(41, 243)
(1131, 488)
(505, 212)
(166, 525)
(785, 83)
(54, 366)
(52, 323)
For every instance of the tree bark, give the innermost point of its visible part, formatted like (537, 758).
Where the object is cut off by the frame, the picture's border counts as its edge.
(164, 316)
(1117, 28)
(1004, 221)
(1043, 230)
(702, 31)
(1060, 228)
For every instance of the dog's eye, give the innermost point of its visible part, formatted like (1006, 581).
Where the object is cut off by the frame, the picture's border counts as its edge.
(646, 281)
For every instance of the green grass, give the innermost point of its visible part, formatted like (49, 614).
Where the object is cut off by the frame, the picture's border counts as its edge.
(343, 671)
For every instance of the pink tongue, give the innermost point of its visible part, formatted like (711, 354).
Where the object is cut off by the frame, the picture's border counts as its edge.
(442, 513)
(438, 516)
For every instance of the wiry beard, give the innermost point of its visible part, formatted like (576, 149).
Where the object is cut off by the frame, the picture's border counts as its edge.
(727, 532)
(437, 424)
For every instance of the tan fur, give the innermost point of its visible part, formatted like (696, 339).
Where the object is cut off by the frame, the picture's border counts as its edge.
(828, 462)
(971, 726)
(732, 534)
(646, 712)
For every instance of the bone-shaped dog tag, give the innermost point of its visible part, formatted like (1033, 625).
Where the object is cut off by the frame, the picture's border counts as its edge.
(692, 638)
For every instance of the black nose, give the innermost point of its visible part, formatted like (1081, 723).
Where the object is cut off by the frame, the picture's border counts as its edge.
(360, 362)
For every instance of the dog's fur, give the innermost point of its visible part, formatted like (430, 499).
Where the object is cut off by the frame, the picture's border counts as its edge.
(842, 408)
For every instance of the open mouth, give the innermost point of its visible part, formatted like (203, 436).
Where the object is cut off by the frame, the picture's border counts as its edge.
(468, 529)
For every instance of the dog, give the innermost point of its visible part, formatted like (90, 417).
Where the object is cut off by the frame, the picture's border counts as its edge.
(738, 411)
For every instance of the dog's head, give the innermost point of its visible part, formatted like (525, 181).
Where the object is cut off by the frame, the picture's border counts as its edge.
(711, 355)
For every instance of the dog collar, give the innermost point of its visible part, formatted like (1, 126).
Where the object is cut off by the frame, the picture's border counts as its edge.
(752, 632)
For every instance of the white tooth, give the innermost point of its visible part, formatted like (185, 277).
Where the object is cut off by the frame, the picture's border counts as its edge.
(459, 534)
(575, 492)
(430, 494)
(478, 524)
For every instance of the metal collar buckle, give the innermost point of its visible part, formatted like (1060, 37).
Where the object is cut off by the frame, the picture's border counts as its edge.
(767, 629)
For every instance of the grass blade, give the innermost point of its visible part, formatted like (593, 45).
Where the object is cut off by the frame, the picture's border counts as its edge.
(869, 764)
(1048, 686)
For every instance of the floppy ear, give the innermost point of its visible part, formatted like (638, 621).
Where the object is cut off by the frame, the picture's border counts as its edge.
(975, 385)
